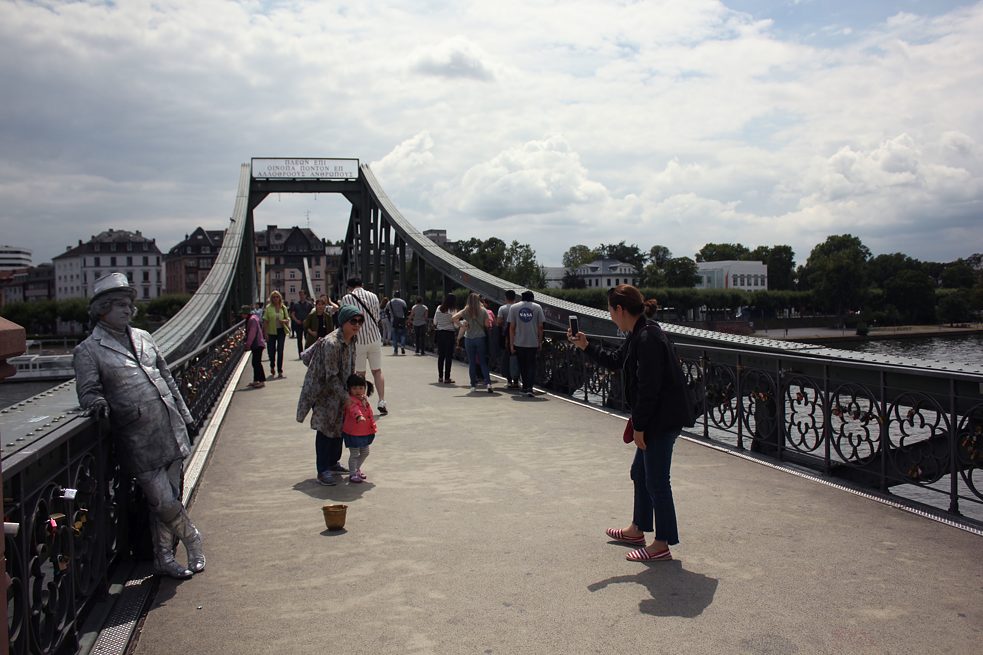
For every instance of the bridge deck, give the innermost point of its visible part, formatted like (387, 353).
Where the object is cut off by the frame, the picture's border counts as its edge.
(481, 531)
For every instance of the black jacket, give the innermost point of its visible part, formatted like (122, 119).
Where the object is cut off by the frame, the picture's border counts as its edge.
(656, 402)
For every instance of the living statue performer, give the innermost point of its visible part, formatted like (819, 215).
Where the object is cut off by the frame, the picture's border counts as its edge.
(121, 374)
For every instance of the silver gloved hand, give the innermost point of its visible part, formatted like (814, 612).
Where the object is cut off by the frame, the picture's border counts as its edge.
(98, 409)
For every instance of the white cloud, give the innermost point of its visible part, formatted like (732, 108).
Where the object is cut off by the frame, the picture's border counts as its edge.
(585, 122)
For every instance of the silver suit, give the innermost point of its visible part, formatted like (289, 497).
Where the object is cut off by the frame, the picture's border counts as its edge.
(148, 417)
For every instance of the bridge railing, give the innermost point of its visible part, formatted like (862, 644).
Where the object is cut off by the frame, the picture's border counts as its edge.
(884, 428)
(71, 515)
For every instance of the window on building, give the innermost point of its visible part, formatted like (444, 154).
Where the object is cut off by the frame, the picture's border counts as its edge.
(112, 247)
(293, 289)
(146, 292)
(205, 250)
(95, 247)
(146, 261)
(129, 277)
(204, 263)
(129, 260)
(293, 275)
(129, 246)
(146, 276)
(95, 261)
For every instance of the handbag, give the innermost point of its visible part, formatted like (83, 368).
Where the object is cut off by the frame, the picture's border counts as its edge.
(629, 434)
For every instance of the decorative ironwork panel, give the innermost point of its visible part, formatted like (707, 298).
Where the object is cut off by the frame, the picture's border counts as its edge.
(805, 414)
(855, 430)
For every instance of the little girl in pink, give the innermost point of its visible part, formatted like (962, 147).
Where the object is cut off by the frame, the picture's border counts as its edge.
(358, 428)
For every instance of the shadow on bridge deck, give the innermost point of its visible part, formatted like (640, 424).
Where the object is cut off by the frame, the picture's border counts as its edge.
(481, 531)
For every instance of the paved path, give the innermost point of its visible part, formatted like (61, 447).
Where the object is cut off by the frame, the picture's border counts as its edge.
(481, 531)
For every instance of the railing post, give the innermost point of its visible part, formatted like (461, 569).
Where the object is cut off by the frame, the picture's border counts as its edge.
(827, 417)
(953, 450)
(882, 419)
(739, 396)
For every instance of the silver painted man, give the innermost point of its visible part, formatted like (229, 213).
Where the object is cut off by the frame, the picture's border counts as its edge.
(121, 374)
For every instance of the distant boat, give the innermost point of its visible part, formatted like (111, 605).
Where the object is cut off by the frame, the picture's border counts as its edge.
(32, 368)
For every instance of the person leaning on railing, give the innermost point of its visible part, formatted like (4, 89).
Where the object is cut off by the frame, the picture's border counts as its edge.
(121, 375)
(657, 417)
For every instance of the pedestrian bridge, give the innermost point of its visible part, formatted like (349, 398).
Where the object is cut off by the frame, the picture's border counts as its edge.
(801, 455)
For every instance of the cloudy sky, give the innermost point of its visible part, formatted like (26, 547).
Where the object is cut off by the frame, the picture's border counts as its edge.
(554, 123)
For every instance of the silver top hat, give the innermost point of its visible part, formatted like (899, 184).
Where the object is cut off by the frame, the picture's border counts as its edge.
(113, 282)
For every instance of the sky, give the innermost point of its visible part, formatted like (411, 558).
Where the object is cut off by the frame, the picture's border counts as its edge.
(551, 123)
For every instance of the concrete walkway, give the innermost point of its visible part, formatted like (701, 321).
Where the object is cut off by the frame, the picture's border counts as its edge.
(481, 530)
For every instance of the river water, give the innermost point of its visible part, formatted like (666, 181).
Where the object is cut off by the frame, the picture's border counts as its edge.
(962, 348)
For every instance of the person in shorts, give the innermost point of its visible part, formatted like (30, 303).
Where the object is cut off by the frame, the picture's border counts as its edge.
(368, 347)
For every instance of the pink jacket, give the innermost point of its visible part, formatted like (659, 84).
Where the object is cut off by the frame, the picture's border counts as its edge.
(254, 333)
(358, 409)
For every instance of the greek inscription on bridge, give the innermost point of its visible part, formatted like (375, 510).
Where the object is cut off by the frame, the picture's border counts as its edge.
(305, 169)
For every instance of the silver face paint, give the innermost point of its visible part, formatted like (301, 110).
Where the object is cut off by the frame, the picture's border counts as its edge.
(120, 313)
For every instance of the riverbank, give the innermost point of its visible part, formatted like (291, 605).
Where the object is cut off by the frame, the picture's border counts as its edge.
(822, 335)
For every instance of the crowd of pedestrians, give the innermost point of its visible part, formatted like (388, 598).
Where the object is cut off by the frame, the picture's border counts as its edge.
(340, 342)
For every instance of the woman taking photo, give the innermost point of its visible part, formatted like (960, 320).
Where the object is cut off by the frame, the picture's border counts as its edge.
(657, 416)
(276, 320)
(444, 325)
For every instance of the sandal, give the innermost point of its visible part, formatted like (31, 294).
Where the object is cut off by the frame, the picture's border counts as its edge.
(619, 535)
(643, 555)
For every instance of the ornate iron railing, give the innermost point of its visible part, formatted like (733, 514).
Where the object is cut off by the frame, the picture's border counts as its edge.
(74, 511)
(885, 428)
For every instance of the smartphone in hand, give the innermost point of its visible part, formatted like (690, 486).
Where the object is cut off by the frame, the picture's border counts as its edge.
(574, 326)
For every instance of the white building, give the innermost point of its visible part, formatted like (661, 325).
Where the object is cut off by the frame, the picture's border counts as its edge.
(13, 258)
(607, 273)
(749, 276)
(131, 253)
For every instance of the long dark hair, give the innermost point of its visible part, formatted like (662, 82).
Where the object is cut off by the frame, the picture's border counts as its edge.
(632, 300)
(356, 380)
(450, 302)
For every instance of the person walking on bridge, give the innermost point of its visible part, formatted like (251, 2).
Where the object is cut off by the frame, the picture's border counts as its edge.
(397, 314)
(276, 320)
(419, 315)
(657, 417)
(299, 311)
(368, 346)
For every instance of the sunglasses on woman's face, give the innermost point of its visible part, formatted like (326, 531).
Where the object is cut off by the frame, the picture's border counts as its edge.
(357, 320)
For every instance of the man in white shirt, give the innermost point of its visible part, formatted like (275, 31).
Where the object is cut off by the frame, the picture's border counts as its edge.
(368, 346)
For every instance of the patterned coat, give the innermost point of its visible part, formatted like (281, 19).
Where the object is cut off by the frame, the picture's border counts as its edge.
(146, 410)
(324, 393)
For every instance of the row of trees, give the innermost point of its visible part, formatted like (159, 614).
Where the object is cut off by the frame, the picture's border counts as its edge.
(840, 276)
(42, 316)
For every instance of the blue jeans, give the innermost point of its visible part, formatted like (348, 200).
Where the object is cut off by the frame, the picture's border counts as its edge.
(327, 451)
(477, 351)
(653, 491)
(399, 338)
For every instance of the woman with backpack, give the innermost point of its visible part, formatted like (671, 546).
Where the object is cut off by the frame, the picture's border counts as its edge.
(657, 402)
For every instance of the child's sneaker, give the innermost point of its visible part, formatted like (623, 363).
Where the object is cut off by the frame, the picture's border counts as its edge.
(355, 478)
(361, 475)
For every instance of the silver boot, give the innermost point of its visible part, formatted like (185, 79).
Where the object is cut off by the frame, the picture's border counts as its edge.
(164, 562)
(191, 538)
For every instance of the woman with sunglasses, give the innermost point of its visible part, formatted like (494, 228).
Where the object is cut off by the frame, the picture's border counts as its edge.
(330, 361)
(657, 417)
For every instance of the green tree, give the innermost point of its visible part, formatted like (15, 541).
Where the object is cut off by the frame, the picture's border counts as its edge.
(882, 268)
(520, 266)
(654, 276)
(836, 272)
(659, 255)
(780, 261)
(578, 256)
(958, 275)
(955, 307)
(722, 252)
(681, 272)
(912, 292)
(573, 281)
